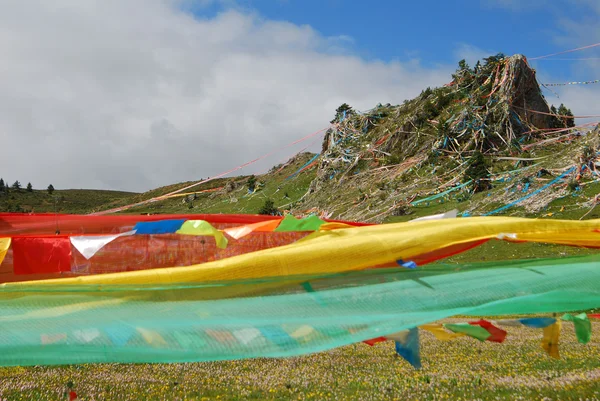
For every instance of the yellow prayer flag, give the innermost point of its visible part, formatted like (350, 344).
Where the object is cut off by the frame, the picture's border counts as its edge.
(4, 245)
(438, 331)
(152, 337)
(550, 339)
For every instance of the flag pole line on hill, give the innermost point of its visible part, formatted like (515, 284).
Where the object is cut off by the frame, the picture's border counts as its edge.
(170, 194)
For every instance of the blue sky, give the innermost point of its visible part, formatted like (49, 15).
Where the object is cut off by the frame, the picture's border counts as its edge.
(439, 32)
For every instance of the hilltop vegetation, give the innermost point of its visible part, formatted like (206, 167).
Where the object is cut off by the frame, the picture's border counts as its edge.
(16, 199)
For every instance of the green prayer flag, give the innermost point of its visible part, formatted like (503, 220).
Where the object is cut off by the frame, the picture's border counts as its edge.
(477, 332)
(583, 326)
(201, 227)
(290, 223)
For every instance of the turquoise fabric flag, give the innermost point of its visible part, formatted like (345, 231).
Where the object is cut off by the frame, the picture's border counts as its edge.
(537, 322)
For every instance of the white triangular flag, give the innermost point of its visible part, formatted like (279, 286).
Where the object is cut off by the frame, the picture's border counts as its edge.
(88, 245)
(448, 215)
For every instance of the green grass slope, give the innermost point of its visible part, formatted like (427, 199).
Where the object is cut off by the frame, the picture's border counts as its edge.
(62, 201)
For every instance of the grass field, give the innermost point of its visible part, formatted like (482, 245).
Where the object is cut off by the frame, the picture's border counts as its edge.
(461, 369)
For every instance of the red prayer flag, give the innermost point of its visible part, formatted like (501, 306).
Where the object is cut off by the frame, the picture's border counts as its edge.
(595, 315)
(374, 341)
(497, 335)
(41, 255)
(72, 396)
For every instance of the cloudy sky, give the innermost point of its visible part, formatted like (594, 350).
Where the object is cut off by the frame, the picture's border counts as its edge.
(135, 94)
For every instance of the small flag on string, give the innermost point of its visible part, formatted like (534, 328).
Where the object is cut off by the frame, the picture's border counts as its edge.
(583, 326)
(497, 335)
(407, 346)
(477, 332)
(550, 339)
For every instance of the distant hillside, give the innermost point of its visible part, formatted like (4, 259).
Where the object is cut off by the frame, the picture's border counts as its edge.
(488, 142)
(66, 201)
(283, 184)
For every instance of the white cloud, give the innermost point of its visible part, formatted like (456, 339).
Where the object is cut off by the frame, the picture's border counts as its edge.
(136, 94)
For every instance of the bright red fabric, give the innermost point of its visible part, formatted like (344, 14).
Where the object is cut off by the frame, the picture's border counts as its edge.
(497, 335)
(41, 255)
(374, 341)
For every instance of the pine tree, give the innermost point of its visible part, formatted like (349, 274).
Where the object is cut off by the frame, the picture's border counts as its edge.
(50, 189)
(1, 185)
(16, 185)
(478, 172)
(568, 120)
(29, 187)
(340, 112)
(252, 183)
(462, 65)
(269, 208)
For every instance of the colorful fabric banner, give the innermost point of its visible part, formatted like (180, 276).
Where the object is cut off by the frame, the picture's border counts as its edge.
(551, 338)
(583, 326)
(359, 248)
(4, 245)
(89, 245)
(41, 255)
(201, 227)
(158, 227)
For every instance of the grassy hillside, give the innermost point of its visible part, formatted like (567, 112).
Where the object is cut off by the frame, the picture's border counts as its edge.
(399, 162)
(232, 195)
(64, 201)
(485, 141)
